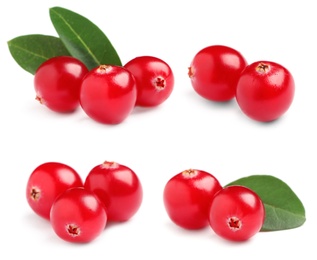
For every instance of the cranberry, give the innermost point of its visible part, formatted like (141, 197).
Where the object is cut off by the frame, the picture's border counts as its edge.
(78, 216)
(108, 94)
(265, 90)
(57, 83)
(236, 213)
(154, 80)
(46, 182)
(118, 188)
(215, 71)
(187, 197)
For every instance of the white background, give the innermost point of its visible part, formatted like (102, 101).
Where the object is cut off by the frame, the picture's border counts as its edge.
(184, 132)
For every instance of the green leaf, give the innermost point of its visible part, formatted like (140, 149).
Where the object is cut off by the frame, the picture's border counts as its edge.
(30, 51)
(83, 39)
(283, 208)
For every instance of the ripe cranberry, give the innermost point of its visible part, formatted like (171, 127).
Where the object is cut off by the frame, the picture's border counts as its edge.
(57, 83)
(265, 90)
(187, 197)
(118, 188)
(214, 72)
(108, 94)
(236, 213)
(154, 80)
(46, 182)
(78, 216)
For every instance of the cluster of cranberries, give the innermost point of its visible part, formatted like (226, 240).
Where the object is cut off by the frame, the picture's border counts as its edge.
(79, 210)
(264, 90)
(107, 93)
(194, 199)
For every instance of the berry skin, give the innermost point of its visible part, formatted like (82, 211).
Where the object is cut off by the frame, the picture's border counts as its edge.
(265, 90)
(214, 72)
(46, 182)
(187, 197)
(154, 80)
(118, 188)
(57, 83)
(236, 213)
(78, 216)
(108, 94)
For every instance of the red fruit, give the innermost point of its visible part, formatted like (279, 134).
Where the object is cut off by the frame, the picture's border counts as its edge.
(236, 213)
(187, 197)
(108, 94)
(46, 182)
(154, 80)
(77, 216)
(265, 90)
(215, 71)
(118, 188)
(57, 83)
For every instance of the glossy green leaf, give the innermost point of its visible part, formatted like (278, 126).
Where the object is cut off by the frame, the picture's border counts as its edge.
(83, 39)
(284, 210)
(30, 51)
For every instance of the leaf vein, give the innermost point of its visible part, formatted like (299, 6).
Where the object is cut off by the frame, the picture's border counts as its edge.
(28, 51)
(79, 38)
(284, 210)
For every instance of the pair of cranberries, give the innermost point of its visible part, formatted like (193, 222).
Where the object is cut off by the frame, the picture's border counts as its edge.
(107, 93)
(264, 90)
(79, 210)
(194, 199)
